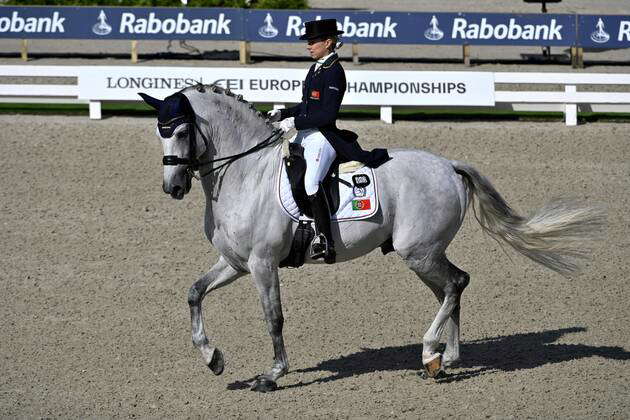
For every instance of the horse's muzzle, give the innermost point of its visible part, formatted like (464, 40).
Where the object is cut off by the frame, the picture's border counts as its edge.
(177, 191)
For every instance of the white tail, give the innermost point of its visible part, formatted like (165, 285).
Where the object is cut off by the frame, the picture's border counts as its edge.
(558, 236)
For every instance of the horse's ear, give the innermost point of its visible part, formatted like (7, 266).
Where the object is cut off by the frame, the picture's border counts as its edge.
(151, 101)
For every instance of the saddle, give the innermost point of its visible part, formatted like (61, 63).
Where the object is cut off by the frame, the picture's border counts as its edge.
(295, 165)
(350, 188)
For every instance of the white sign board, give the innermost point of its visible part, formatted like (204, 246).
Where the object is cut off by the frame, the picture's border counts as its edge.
(285, 85)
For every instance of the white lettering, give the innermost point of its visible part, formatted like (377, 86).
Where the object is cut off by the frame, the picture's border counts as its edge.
(57, 25)
(168, 26)
(500, 31)
(349, 28)
(153, 25)
(554, 31)
(17, 24)
(624, 30)
(484, 30)
(294, 26)
(223, 26)
(126, 19)
(459, 24)
(390, 28)
(183, 25)
(515, 30)
(43, 24)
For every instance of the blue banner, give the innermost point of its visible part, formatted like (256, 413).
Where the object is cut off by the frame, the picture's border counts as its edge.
(286, 26)
(417, 28)
(604, 31)
(121, 23)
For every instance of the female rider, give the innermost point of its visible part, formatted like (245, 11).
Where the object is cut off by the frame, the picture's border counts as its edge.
(315, 119)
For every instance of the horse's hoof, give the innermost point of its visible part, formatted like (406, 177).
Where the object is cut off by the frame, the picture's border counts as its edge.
(264, 385)
(217, 363)
(433, 366)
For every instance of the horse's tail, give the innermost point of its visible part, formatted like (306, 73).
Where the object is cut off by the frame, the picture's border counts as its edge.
(557, 236)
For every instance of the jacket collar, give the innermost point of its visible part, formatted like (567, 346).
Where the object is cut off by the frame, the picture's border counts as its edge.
(326, 64)
(330, 60)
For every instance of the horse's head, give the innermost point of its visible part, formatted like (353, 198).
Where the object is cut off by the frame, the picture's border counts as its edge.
(181, 144)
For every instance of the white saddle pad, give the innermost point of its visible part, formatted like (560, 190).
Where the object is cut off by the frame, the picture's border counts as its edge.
(355, 203)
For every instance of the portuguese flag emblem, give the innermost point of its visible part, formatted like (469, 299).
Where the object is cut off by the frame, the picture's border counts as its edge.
(363, 204)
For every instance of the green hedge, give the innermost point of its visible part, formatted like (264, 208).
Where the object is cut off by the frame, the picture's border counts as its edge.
(258, 4)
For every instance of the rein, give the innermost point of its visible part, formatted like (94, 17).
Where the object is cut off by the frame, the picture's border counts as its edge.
(195, 165)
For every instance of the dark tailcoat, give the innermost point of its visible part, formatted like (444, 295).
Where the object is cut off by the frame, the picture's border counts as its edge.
(322, 94)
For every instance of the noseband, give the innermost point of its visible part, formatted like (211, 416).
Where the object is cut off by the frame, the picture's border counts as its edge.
(166, 130)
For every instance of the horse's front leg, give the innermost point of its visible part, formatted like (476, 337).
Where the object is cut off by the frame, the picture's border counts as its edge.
(267, 282)
(219, 275)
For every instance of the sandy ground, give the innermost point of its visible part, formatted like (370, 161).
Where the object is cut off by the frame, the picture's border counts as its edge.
(97, 262)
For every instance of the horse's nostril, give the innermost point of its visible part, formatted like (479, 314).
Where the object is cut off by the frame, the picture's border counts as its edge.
(177, 192)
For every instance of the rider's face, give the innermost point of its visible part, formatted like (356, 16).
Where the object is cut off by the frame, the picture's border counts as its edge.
(318, 48)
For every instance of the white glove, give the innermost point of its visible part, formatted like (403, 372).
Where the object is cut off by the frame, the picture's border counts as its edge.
(273, 115)
(287, 124)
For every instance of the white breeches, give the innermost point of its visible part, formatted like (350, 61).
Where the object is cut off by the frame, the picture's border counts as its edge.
(319, 155)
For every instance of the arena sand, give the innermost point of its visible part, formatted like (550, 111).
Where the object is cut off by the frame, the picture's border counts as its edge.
(97, 262)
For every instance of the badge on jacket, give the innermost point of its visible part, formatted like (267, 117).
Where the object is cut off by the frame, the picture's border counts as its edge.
(315, 94)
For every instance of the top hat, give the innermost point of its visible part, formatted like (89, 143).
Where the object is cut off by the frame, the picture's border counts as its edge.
(320, 28)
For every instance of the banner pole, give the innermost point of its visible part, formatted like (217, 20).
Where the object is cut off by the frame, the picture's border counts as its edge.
(466, 54)
(134, 51)
(245, 53)
(24, 50)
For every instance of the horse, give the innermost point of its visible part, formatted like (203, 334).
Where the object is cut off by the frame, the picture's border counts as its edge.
(203, 125)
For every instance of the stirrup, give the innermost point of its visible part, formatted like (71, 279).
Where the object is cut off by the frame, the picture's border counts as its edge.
(321, 249)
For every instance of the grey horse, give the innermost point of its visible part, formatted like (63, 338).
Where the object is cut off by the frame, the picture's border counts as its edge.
(246, 225)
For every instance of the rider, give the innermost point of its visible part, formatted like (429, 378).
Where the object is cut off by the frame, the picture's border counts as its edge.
(315, 119)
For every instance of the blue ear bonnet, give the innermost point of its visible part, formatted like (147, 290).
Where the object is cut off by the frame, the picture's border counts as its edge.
(174, 111)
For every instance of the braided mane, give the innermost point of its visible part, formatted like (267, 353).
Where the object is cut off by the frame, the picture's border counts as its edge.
(237, 98)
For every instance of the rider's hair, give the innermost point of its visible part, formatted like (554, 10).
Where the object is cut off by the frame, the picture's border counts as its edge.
(333, 38)
(336, 43)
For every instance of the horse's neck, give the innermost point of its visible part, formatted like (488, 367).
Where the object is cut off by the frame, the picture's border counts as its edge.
(247, 180)
(235, 140)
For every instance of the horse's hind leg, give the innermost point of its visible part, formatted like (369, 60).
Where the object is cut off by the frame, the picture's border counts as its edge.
(219, 275)
(447, 283)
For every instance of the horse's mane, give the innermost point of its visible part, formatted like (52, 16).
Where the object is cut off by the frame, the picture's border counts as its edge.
(230, 97)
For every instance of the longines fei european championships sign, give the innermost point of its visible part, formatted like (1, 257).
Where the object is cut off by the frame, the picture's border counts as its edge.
(286, 25)
(285, 85)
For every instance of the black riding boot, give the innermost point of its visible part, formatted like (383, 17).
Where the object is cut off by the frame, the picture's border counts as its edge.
(323, 245)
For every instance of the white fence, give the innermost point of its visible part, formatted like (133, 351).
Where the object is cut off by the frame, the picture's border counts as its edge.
(569, 100)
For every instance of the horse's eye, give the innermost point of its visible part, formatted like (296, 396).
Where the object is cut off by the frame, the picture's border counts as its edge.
(182, 134)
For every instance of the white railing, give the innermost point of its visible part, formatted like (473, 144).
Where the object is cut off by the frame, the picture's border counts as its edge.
(568, 101)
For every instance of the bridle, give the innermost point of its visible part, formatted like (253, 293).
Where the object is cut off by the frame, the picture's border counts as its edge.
(193, 164)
